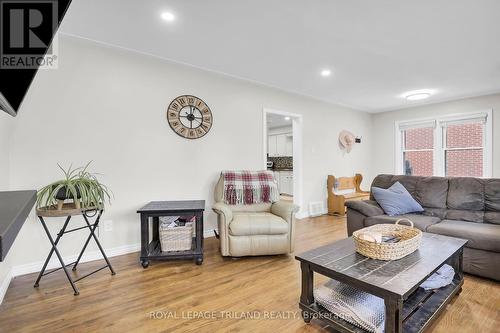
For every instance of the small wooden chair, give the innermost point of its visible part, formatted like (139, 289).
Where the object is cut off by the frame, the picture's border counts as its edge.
(336, 202)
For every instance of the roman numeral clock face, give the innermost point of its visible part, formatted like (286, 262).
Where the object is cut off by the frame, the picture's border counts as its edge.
(189, 117)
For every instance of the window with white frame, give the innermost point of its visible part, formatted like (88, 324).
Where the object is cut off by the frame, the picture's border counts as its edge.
(453, 146)
(417, 148)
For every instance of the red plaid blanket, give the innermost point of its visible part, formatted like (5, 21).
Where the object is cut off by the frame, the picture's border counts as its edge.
(249, 187)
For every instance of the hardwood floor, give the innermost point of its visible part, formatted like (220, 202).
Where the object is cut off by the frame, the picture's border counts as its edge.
(170, 296)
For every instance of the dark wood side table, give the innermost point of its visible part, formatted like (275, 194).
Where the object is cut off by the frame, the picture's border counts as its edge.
(408, 308)
(151, 250)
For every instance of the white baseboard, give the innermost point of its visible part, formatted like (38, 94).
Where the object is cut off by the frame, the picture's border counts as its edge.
(4, 285)
(34, 267)
(87, 256)
(305, 214)
(302, 215)
(209, 233)
(54, 263)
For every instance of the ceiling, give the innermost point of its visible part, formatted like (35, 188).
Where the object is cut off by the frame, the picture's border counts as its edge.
(276, 120)
(376, 50)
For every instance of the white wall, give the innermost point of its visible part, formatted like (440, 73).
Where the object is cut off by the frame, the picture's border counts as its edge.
(6, 122)
(108, 105)
(384, 127)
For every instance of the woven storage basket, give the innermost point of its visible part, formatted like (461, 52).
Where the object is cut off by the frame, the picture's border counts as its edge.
(410, 241)
(177, 238)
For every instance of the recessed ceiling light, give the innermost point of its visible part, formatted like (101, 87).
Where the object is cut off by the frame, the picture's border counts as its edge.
(326, 72)
(167, 16)
(417, 95)
(287, 118)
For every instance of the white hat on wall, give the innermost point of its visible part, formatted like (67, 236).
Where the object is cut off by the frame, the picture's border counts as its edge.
(347, 140)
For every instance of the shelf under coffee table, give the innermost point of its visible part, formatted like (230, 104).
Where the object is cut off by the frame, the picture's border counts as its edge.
(408, 307)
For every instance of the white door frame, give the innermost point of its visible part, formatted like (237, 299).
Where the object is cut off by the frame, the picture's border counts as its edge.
(297, 153)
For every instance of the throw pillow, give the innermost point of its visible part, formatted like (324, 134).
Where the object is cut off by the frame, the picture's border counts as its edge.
(396, 200)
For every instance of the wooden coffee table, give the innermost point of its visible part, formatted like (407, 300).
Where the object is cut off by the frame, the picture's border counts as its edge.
(408, 307)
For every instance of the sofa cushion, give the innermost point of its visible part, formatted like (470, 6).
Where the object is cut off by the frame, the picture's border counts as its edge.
(410, 183)
(365, 207)
(437, 212)
(465, 193)
(432, 192)
(492, 217)
(247, 224)
(396, 200)
(465, 215)
(481, 236)
(492, 194)
(382, 181)
(386, 181)
(421, 222)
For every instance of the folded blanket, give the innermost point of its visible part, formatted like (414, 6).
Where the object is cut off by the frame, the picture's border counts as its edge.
(249, 187)
(443, 277)
(352, 305)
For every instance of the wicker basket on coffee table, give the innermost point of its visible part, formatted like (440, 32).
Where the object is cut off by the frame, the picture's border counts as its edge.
(410, 240)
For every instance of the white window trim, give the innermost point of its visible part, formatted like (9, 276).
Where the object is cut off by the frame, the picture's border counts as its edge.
(437, 123)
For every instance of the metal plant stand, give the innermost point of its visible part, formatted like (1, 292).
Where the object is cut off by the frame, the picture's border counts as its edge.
(68, 211)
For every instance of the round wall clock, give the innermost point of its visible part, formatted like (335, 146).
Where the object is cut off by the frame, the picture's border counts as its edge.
(189, 117)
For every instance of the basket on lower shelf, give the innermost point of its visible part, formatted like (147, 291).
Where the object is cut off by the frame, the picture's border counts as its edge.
(176, 238)
(409, 240)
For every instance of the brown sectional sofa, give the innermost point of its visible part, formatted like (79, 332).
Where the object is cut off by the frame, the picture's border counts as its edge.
(461, 207)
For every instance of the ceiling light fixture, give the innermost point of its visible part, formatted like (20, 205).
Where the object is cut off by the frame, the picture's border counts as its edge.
(287, 118)
(326, 72)
(167, 16)
(417, 95)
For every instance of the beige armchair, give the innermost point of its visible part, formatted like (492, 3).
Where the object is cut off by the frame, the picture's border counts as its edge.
(253, 230)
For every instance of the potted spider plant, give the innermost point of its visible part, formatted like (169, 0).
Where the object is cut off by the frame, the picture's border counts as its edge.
(78, 185)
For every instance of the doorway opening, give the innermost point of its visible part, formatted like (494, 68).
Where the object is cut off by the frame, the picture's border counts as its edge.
(282, 153)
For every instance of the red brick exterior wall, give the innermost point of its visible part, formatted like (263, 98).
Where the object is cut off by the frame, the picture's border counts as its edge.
(420, 138)
(464, 162)
(458, 162)
(421, 163)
